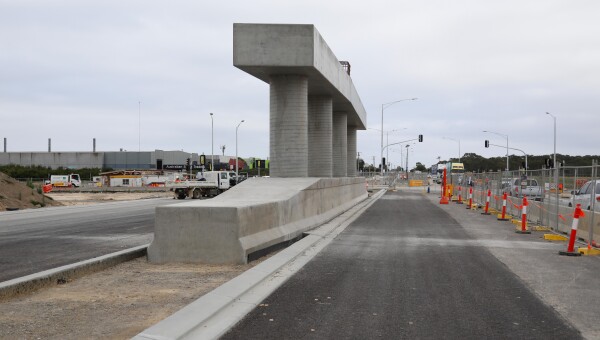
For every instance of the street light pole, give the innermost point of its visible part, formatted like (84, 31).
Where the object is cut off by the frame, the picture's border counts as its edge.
(456, 140)
(212, 144)
(555, 167)
(407, 145)
(236, 152)
(505, 136)
(383, 107)
(524, 153)
(554, 117)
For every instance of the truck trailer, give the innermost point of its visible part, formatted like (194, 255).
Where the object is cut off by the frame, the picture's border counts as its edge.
(206, 184)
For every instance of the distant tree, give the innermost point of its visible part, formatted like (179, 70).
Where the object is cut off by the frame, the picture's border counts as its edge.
(420, 167)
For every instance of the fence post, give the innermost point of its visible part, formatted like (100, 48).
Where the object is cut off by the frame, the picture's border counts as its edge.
(593, 203)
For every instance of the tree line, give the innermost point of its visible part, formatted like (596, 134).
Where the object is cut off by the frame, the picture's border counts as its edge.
(476, 163)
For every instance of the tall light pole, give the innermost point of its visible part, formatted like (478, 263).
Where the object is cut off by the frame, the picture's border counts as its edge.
(212, 144)
(554, 117)
(387, 142)
(236, 151)
(524, 153)
(139, 126)
(456, 140)
(383, 107)
(555, 167)
(505, 136)
(407, 145)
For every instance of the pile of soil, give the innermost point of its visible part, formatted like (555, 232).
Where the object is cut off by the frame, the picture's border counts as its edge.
(15, 195)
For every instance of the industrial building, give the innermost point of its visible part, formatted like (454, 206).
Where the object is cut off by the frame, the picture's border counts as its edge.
(157, 159)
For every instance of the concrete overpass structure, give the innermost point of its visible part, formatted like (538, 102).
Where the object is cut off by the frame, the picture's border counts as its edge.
(315, 112)
(315, 109)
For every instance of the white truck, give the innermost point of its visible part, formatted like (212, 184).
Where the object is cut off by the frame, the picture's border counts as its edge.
(206, 184)
(65, 181)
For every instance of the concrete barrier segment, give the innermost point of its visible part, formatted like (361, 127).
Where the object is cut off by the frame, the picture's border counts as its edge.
(253, 215)
(213, 314)
(50, 277)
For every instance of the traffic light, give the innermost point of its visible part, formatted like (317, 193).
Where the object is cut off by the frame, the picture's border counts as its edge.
(487, 143)
(383, 161)
(420, 138)
(202, 160)
(187, 164)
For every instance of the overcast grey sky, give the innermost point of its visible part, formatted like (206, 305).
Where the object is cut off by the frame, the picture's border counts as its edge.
(75, 70)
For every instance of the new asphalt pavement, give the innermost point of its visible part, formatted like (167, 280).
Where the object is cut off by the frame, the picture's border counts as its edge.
(406, 269)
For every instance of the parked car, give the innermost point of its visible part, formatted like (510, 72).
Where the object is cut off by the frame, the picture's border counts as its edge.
(526, 188)
(584, 194)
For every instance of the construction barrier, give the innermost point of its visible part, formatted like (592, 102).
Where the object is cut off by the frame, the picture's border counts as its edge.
(571, 247)
(444, 198)
(459, 196)
(415, 183)
(470, 198)
(487, 203)
(503, 216)
(524, 229)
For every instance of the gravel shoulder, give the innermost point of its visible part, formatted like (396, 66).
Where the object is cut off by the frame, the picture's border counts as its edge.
(83, 198)
(116, 303)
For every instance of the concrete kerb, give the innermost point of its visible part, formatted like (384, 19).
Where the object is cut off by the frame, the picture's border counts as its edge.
(213, 314)
(62, 274)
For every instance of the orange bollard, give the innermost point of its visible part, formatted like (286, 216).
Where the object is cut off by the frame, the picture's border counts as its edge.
(571, 248)
(444, 198)
(503, 218)
(470, 198)
(487, 203)
(524, 219)
(459, 196)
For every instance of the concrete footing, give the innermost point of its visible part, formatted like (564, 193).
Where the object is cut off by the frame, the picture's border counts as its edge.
(254, 215)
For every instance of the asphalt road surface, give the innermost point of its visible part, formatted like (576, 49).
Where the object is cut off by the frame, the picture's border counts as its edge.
(403, 270)
(39, 239)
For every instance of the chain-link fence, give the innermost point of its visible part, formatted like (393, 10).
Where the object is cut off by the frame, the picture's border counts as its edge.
(552, 196)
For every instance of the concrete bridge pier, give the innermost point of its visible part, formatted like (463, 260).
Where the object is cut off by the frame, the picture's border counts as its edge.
(314, 114)
(340, 144)
(320, 124)
(289, 125)
(351, 145)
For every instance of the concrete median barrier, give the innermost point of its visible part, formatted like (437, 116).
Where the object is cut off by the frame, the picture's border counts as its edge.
(254, 215)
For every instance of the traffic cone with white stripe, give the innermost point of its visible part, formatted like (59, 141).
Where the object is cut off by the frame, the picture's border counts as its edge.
(459, 196)
(503, 216)
(487, 203)
(524, 219)
(571, 248)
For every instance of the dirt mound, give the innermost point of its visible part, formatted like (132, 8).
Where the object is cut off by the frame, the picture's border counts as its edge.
(16, 195)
